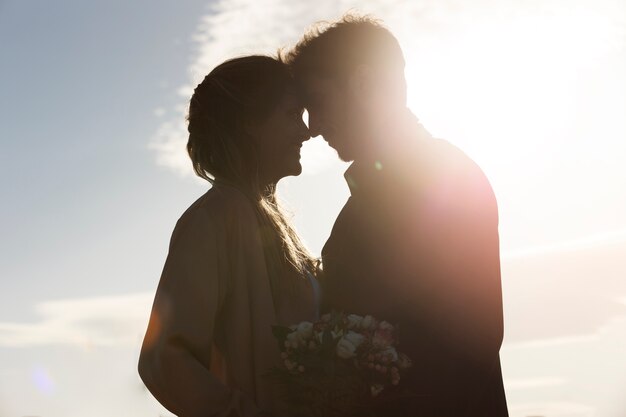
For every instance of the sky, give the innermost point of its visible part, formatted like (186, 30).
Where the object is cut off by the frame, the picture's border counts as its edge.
(93, 177)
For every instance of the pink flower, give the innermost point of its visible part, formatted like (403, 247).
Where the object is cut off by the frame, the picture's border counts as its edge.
(383, 338)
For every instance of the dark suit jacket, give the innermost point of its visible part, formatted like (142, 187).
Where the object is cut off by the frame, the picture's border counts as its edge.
(417, 245)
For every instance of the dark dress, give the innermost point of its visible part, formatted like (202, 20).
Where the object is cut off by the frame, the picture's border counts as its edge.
(417, 245)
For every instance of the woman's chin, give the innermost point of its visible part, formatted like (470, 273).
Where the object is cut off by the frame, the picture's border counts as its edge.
(293, 170)
(297, 170)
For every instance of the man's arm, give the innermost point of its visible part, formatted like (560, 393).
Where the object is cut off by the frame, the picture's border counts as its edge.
(453, 290)
(473, 297)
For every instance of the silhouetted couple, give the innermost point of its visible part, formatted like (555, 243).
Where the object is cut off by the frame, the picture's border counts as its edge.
(416, 243)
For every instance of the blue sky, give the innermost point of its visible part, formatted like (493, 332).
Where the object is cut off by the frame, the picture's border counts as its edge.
(93, 177)
(81, 82)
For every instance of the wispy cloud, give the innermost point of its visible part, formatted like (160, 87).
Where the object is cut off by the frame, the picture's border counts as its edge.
(232, 28)
(552, 409)
(525, 383)
(541, 376)
(97, 321)
(586, 242)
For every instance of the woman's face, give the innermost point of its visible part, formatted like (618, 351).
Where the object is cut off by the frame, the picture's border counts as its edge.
(278, 140)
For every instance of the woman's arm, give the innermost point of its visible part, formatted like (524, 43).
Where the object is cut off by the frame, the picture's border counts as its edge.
(176, 354)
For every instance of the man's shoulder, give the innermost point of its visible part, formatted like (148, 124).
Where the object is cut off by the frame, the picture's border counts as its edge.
(451, 168)
(458, 184)
(450, 161)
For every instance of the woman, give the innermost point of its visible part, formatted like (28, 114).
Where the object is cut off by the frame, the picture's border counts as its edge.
(235, 266)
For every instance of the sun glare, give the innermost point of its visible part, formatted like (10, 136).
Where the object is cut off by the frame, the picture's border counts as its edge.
(515, 78)
(536, 99)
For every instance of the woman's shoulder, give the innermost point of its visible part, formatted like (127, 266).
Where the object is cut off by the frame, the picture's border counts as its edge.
(220, 207)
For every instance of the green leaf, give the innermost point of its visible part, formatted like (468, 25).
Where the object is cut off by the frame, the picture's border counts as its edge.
(336, 319)
(329, 367)
(281, 332)
(311, 361)
(328, 342)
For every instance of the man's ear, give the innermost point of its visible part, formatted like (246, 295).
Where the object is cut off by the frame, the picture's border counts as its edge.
(361, 81)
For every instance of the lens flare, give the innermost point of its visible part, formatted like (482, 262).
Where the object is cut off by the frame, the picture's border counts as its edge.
(42, 381)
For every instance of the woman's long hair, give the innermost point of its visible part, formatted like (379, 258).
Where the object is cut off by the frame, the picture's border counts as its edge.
(238, 92)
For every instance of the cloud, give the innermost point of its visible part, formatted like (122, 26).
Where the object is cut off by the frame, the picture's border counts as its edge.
(232, 28)
(565, 327)
(96, 321)
(569, 292)
(552, 409)
(587, 242)
(543, 375)
(517, 384)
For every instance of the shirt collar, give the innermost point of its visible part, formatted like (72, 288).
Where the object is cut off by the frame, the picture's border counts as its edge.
(404, 137)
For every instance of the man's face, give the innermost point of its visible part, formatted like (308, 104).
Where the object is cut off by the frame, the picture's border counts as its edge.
(334, 114)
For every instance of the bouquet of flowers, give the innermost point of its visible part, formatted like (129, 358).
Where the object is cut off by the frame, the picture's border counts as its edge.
(337, 366)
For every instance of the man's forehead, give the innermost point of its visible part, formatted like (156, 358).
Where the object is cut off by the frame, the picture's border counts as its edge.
(290, 99)
(315, 85)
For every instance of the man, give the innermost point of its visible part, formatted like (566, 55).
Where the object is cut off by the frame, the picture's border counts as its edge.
(417, 242)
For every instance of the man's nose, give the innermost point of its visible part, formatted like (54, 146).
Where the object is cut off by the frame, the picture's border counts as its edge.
(304, 132)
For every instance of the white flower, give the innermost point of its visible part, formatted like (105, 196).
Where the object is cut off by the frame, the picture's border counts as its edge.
(383, 325)
(305, 329)
(355, 338)
(348, 344)
(367, 322)
(354, 321)
(294, 339)
(334, 334)
(337, 333)
(345, 348)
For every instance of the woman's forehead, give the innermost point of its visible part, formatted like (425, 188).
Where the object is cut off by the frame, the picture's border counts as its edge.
(291, 99)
